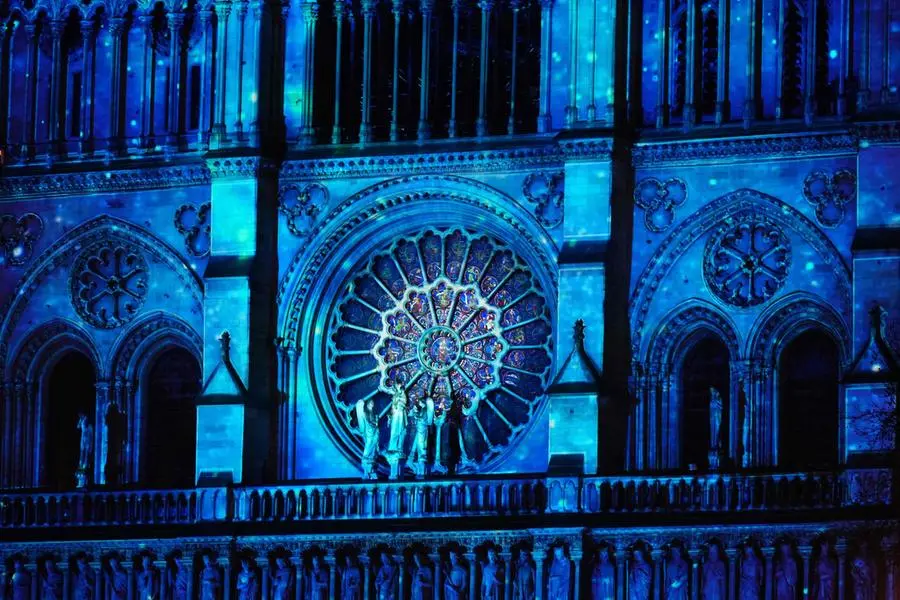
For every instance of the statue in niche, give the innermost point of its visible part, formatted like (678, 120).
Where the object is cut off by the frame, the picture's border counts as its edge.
(178, 580)
(603, 577)
(560, 568)
(52, 581)
(117, 582)
(825, 574)
(523, 587)
(676, 576)
(424, 419)
(351, 580)
(456, 584)
(398, 420)
(715, 419)
(117, 428)
(20, 581)
(317, 580)
(386, 579)
(210, 579)
(83, 581)
(640, 577)
(282, 580)
(422, 580)
(368, 425)
(746, 413)
(714, 575)
(863, 573)
(86, 450)
(246, 581)
(751, 575)
(786, 574)
(491, 577)
(146, 580)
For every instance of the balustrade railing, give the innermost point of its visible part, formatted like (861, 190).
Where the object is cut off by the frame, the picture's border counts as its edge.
(519, 496)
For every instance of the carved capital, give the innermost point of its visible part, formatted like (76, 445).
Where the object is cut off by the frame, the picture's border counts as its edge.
(117, 26)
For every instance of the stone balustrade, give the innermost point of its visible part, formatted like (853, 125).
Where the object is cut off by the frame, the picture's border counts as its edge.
(514, 495)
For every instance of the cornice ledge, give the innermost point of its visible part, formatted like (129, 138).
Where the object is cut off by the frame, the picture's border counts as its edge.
(103, 181)
(687, 152)
(240, 167)
(878, 131)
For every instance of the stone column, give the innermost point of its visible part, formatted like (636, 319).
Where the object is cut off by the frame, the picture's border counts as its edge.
(621, 559)
(486, 7)
(656, 555)
(540, 552)
(310, 12)
(118, 29)
(57, 90)
(809, 64)
(31, 73)
(35, 581)
(297, 563)
(662, 88)
(805, 554)
(768, 557)
(438, 576)
(723, 72)
(332, 573)
(6, 34)
(226, 579)
(841, 550)
(99, 580)
(885, 60)
(223, 13)
(506, 557)
(862, 95)
(694, 555)
(189, 566)
(148, 88)
(88, 52)
(263, 564)
(339, 8)
(751, 111)
(129, 569)
(473, 572)
(101, 432)
(397, 12)
(242, 9)
(206, 91)
(63, 566)
(451, 127)
(176, 98)
(367, 576)
(160, 566)
(577, 557)
(890, 560)
(401, 580)
(732, 553)
(689, 111)
(365, 127)
(543, 121)
(514, 5)
(424, 129)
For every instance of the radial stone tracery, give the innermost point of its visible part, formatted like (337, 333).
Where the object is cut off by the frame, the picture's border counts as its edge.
(453, 316)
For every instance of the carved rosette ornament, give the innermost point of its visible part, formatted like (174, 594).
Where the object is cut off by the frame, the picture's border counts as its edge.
(829, 194)
(18, 236)
(194, 224)
(659, 199)
(746, 260)
(108, 284)
(301, 206)
(545, 190)
(455, 318)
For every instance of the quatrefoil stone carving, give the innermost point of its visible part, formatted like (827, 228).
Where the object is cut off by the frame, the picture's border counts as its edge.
(301, 206)
(830, 194)
(18, 236)
(193, 223)
(546, 191)
(659, 199)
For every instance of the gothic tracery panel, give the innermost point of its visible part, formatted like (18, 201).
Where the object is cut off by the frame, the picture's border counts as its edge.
(453, 316)
(109, 284)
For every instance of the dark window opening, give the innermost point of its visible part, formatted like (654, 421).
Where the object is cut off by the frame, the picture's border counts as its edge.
(70, 391)
(194, 121)
(705, 367)
(75, 106)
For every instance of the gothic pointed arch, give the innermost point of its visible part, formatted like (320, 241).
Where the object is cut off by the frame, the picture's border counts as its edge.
(679, 329)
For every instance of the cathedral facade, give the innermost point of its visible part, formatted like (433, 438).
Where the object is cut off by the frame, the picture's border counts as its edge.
(414, 299)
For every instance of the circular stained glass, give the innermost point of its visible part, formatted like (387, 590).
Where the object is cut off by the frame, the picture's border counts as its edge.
(453, 316)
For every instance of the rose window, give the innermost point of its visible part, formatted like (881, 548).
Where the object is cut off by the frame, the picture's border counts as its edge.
(109, 284)
(452, 316)
(747, 261)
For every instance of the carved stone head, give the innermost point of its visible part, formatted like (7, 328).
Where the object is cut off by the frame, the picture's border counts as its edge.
(559, 553)
(145, 562)
(713, 552)
(279, 562)
(316, 562)
(207, 560)
(492, 555)
(454, 558)
(604, 554)
(638, 555)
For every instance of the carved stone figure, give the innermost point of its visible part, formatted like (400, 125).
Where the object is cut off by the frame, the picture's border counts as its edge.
(116, 434)
(83, 581)
(317, 581)
(351, 580)
(863, 573)
(86, 450)
(751, 575)
(456, 584)
(825, 574)
(422, 581)
(491, 577)
(368, 426)
(715, 419)
(640, 577)
(560, 568)
(146, 580)
(603, 577)
(210, 579)
(282, 580)
(20, 582)
(246, 581)
(386, 579)
(52, 581)
(714, 575)
(178, 579)
(523, 588)
(424, 419)
(786, 575)
(676, 576)
(117, 582)
(438, 465)
(398, 420)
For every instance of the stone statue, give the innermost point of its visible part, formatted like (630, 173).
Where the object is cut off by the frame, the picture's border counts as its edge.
(603, 577)
(146, 580)
(456, 584)
(422, 580)
(83, 581)
(825, 574)
(282, 580)
(317, 586)
(368, 426)
(351, 580)
(20, 582)
(86, 452)
(640, 577)
(398, 419)
(863, 573)
(246, 581)
(424, 419)
(52, 581)
(560, 568)
(523, 588)
(491, 577)
(440, 417)
(715, 419)
(178, 579)
(386, 579)
(676, 576)
(786, 575)
(751, 575)
(210, 579)
(713, 575)
(746, 426)
(117, 582)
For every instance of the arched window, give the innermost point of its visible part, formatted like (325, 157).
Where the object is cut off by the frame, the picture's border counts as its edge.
(69, 390)
(705, 367)
(171, 388)
(808, 402)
